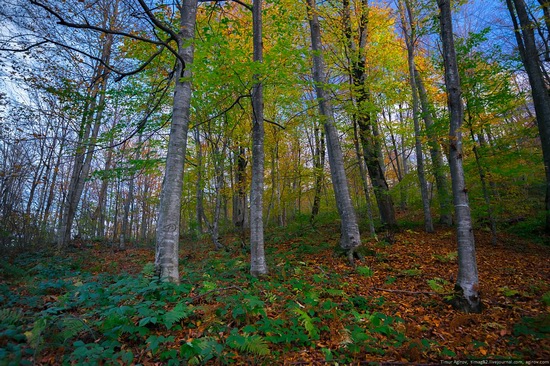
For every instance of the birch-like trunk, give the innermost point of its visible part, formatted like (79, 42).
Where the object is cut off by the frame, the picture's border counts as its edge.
(258, 266)
(350, 238)
(467, 296)
(168, 225)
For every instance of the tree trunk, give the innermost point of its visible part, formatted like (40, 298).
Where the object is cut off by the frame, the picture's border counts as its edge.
(350, 238)
(168, 225)
(467, 296)
(199, 184)
(102, 198)
(126, 231)
(445, 214)
(369, 133)
(239, 196)
(410, 39)
(364, 181)
(541, 98)
(258, 266)
(86, 142)
(484, 188)
(319, 170)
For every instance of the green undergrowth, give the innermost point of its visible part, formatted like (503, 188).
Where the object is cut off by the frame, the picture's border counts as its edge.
(53, 310)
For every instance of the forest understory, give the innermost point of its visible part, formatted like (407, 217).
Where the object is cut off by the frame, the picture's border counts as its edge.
(100, 306)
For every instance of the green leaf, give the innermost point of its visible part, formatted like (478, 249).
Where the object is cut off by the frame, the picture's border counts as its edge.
(180, 311)
(365, 271)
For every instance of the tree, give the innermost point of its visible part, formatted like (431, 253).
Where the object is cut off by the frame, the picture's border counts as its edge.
(467, 297)
(524, 29)
(349, 237)
(258, 265)
(409, 30)
(368, 130)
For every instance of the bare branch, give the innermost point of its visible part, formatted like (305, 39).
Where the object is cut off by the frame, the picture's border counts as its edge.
(23, 49)
(274, 123)
(157, 22)
(237, 101)
(62, 21)
(248, 6)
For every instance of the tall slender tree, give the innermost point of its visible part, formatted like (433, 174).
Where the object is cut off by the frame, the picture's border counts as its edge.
(409, 31)
(258, 265)
(350, 238)
(467, 297)
(524, 29)
(368, 129)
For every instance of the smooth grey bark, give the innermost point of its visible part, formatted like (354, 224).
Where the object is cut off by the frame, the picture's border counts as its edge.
(258, 265)
(467, 296)
(368, 128)
(443, 195)
(168, 224)
(410, 39)
(350, 238)
(525, 37)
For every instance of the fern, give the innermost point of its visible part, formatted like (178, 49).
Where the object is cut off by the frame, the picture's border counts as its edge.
(11, 271)
(307, 322)
(254, 344)
(437, 284)
(180, 311)
(71, 327)
(365, 271)
(148, 270)
(10, 316)
(35, 336)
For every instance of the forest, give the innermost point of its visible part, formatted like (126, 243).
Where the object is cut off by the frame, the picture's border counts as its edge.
(272, 181)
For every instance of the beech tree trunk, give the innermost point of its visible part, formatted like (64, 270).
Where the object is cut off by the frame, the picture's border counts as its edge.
(168, 225)
(467, 297)
(350, 238)
(258, 266)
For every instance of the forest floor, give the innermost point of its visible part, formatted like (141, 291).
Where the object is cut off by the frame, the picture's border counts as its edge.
(99, 306)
